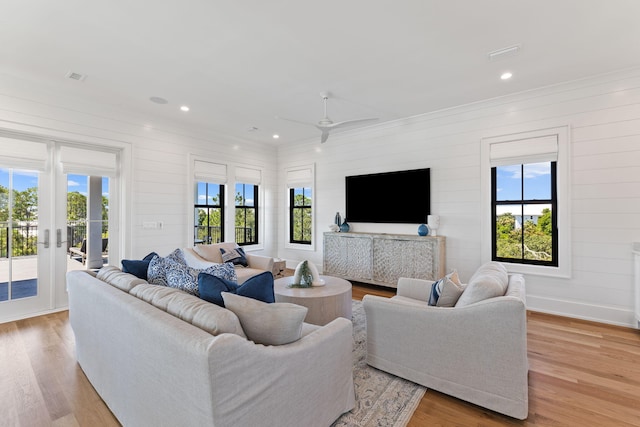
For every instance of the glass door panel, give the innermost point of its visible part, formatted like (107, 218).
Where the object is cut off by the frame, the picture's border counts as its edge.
(19, 227)
(87, 226)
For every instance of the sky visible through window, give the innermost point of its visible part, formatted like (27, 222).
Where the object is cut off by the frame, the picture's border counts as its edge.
(27, 179)
(537, 182)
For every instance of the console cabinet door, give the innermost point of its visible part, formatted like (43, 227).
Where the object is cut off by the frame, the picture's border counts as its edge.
(347, 256)
(395, 258)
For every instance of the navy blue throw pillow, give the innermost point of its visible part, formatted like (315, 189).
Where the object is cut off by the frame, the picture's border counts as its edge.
(138, 267)
(258, 287)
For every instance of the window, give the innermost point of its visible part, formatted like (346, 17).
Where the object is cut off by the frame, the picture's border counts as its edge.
(300, 215)
(246, 224)
(299, 202)
(208, 213)
(524, 206)
(525, 202)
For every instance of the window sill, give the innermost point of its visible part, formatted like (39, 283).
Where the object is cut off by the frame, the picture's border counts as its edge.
(563, 272)
(299, 246)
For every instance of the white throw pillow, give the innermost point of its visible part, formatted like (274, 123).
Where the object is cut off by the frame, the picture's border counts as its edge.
(489, 281)
(264, 323)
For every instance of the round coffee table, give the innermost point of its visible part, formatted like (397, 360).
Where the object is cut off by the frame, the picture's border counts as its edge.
(325, 303)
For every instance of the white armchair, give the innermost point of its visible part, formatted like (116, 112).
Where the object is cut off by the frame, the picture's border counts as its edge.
(476, 352)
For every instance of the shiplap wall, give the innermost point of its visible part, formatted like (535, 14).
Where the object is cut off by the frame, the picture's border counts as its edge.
(603, 114)
(157, 184)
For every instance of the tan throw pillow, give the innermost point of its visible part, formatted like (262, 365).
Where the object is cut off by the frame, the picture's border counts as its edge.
(212, 253)
(264, 323)
(451, 291)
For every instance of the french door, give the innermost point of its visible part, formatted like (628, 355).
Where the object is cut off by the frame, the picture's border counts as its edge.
(55, 201)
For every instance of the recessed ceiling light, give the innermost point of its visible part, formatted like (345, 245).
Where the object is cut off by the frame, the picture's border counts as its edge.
(158, 100)
(276, 136)
(506, 76)
(184, 108)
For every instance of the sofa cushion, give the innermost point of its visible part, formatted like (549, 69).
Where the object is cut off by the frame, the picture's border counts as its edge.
(489, 281)
(191, 309)
(212, 252)
(260, 287)
(115, 277)
(138, 267)
(269, 324)
(185, 278)
(236, 256)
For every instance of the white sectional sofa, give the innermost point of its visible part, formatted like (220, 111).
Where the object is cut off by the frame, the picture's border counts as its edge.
(160, 357)
(200, 254)
(475, 350)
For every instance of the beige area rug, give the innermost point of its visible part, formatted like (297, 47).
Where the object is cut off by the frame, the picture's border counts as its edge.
(382, 399)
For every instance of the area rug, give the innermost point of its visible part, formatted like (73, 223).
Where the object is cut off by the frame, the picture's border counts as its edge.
(382, 399)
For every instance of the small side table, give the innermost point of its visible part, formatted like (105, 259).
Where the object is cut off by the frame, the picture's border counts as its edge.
(325, 303)
(279, 265)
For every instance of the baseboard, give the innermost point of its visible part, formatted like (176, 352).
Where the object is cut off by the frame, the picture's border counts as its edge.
(592, 312)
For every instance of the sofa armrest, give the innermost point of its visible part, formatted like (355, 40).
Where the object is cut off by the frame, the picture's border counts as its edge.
(260, 262)
(419, 289)
(317, 368)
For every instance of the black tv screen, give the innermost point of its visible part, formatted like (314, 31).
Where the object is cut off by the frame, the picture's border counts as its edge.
(391, 197)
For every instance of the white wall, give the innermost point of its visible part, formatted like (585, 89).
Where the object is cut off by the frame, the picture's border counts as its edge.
(603, 114)
(157, 180)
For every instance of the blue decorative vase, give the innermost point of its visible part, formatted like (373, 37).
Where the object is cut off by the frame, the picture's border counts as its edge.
(423, 230)
(344, 228)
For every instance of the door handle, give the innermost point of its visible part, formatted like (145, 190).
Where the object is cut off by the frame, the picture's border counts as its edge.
(59, 240)
(46, 239)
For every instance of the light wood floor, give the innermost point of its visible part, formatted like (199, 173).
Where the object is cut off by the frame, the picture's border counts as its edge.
(582, 374)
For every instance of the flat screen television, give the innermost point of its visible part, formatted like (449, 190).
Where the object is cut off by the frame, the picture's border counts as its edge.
(391, 197)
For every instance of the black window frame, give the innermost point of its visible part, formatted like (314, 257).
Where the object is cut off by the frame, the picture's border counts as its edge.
(553, 201)
(292, 212)
(209, 239)
(247, 241)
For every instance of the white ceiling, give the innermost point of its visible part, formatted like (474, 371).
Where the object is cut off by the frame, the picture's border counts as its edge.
(239, 64)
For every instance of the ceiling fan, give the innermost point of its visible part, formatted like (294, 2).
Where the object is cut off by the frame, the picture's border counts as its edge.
(326, 124)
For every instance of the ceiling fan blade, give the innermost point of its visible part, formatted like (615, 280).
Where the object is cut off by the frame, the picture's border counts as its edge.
(325, 135)
(296, 121)
(349, 123)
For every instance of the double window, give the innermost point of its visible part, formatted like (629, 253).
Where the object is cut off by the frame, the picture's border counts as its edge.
(300, 210)
(214, 207)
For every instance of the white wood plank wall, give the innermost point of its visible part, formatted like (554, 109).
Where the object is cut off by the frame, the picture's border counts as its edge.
(603, 114)
(159, 186)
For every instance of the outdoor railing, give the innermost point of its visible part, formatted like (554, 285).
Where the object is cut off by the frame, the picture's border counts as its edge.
(25, 237)
(205, 234)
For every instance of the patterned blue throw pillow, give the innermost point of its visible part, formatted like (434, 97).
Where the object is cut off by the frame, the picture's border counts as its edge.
(258, 287)
(156, 273)
(185, 278)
